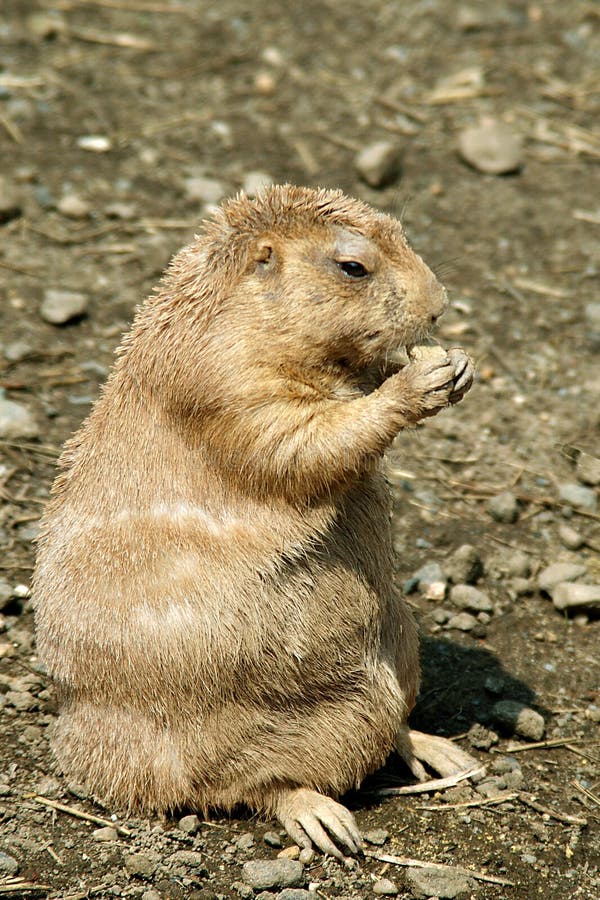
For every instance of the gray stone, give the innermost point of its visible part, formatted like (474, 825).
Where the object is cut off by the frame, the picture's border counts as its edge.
(140, 864)
(189, 824)
(151, 895)
(73, 206)
(503, 507)
(559, 572)
(272, 839)
(242, 890)
(17, 351)
(491, 787)
(467, 597)
(588, 469)
(60, 306)
(107, 833)
(191, 858)
(464, 566)
(295, 894)
(204, 190)
(306, 856)
(245, 841)
(569, 596)
(8, 865)
(491, 147)
(16, 421)
(385, 888)
(430, 577)
(442, 883)
(379, 163)
(519, 719)
(464, 621)
(376, 836)
(578, 495)
(254, 182)
(570, 538)
(519, 565)
(266, 874)
(24, 701)
(481, 737)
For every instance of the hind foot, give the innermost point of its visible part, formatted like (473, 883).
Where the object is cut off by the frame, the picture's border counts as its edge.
(438, 753)
(312, 818)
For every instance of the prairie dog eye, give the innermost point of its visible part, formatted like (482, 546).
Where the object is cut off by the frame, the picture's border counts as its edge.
(353, 269)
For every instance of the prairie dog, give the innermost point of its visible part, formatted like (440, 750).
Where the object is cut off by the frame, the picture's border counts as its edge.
(213, 591)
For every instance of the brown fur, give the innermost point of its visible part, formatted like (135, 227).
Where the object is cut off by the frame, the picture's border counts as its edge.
(213, 590)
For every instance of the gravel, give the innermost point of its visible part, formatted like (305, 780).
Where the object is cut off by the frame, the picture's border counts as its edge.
(503, 508)
(189, 824)
(463, 621)
(467, 597)
(379, 163)
(385, 888)
(579, 496)
(491, 147)
(8, 864)
(16, 421)
(568, 595)
(442, 883)
(464, 566)
(60, 307)
(588, 469)
(570, 537)
(140, 864)
(376, 836)
(558, 572)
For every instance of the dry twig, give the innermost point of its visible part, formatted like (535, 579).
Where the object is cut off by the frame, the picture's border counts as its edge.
(79, 814)
(424, 864)
(553, 813)
(436, 784)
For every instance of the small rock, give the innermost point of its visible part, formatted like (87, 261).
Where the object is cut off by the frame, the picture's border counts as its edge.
(376, 836)
(441, 616)
(17, 351)
(491, 787)
(464, 566)
(464, 621)
(557, 573)
(491, 147)
(8, 865)
(193, 859)
(467, 597)
(292, 852)
(481, 738)
(442, 883)
(519, 565)
(430, 580)
(95, 143)
(272, 839)
(6, 593)
(189, 824)
(16, 421)
(385, 888)
(60, 306)
(73, 207)
(254, 182)
(505, 764)
(519, 719)
(139, 864)
(379, 163)
(107, 833)
(242, 890)
(295, 894)
(151, 895)
(588, 469)
(266, 874)
(119, 210)
(569, 596)
(503, 508)
(45, 25)
(24, 701)
(204, 190)
(306, 856)
(245, 841)
(570, 538)
(578, 495)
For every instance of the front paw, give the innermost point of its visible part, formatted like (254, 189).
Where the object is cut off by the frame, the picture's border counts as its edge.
(429, 380)
(464, 372)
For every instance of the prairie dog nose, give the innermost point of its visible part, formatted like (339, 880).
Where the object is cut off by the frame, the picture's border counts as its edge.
(438, 299)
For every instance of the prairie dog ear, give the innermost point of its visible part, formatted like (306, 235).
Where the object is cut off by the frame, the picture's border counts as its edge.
(264, 254)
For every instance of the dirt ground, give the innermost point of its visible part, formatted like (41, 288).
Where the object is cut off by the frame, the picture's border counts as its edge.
(174, 93)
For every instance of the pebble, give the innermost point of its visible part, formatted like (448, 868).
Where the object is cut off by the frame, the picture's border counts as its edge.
(467, 597)
(491, 147)
(45, 25)
(272, 839)
(140, 864)
(464, 621)
(8, 865)
(73, 207)
(568, 595)
(292, 852)
(376, 836)
(588, 469)
(6, 593)
(61, 306)
(480, 737)
(385, 888)
(16, 421)
(17, 351)
(295, 894)
(265, 874)
(95, 143)
(191, 858)
(245, 841)
(503, 507)
(254, 182)
(570, 538)
(107, 833)
(189, 824)
(151, 895)
(519, 719)
(204, 190)
(379, 163)
(519, 565)
(442, 883)
(431, 581)
(559, 572)
(464, 566)
(24, 701)
(578, 495)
